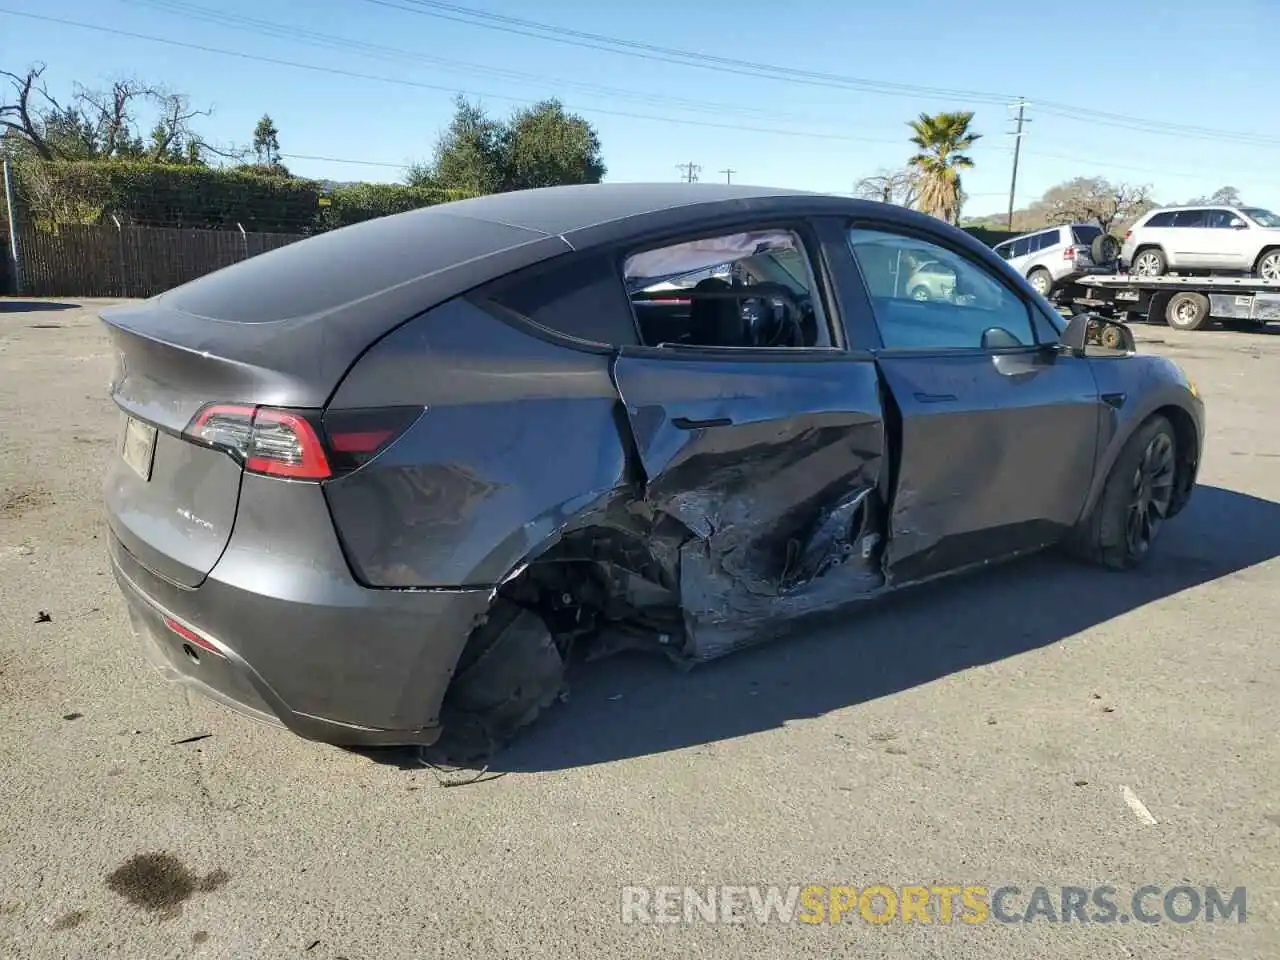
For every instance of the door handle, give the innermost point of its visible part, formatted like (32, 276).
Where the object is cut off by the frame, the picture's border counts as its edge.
(923, 397)
(685, 423)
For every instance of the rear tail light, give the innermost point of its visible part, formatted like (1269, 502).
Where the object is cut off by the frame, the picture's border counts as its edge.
(299, 444)
(1070, 253)
(1128, 234)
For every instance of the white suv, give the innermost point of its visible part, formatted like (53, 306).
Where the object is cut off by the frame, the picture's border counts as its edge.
(1236, 239)
(1056, 256)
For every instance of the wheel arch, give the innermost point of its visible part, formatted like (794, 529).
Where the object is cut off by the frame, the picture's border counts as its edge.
(1187, 437)
(1268, 248)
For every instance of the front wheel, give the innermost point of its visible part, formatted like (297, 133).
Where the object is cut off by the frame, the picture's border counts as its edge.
(920, 294)
(1135, 502)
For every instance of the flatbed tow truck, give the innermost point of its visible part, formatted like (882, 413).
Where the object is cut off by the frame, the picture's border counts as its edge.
(1184, 303)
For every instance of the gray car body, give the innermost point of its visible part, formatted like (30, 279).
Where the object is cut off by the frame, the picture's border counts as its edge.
(728, 478)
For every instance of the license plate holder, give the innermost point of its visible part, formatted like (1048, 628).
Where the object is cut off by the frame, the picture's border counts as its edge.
(139, 447)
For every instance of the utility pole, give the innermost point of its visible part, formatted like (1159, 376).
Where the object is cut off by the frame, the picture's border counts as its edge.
(691, 171)
(728, 175)
(13, 227)
(1017, 152)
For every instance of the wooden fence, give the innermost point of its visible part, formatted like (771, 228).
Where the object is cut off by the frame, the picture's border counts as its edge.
(109, 261)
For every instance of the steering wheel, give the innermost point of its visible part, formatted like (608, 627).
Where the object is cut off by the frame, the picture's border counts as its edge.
(773, 331)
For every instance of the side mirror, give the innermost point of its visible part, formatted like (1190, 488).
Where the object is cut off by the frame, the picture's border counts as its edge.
(1239, 225)
(1088, 334)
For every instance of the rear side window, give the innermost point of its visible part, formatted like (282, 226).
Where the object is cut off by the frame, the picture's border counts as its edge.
(1160, 220)
(1046, 240)
(1004, 251)
(1022, 246)
(1190, 218)
(576, 297)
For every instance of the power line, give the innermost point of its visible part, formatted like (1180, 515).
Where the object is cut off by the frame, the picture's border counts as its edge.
(542, 31)
(268, 28)
(691, 171)
(649, 51)
(416, 84)
(728, 174)
(352, 74)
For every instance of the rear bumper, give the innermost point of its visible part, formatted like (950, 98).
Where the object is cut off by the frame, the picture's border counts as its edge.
(303, 645)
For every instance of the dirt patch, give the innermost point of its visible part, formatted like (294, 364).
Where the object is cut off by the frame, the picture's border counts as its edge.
(160, 881)
(18, 501)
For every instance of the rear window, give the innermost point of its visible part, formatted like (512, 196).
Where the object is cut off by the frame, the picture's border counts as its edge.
(1085, 234)
(328, 271)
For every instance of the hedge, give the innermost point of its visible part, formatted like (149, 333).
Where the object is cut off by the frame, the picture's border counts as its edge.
(169, 195)
(365, 201)
(165, 195)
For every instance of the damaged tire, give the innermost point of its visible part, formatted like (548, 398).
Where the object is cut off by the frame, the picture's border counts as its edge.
(509, 672)
(1135, 502)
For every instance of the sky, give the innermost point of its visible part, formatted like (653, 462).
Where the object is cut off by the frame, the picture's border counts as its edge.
(360, 88)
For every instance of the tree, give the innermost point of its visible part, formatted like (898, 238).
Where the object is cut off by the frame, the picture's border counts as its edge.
(1223, 196)
(539, 146)
(543, 146)
(24, 108)
(941, 140)
(100, 124)
(468, 154)
(898, 187)
(1096, 200)
(266, 142)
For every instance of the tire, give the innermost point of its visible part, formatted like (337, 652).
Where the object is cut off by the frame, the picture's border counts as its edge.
(1040, 281)
(1268, 265)
(1104, 249)
(1110, 338)
(1146, 466)
(1187, 311)
(509, 672)
(920, 294)
(1150, 262)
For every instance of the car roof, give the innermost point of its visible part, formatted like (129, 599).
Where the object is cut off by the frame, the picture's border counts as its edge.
(555, 211)
(1192, 206)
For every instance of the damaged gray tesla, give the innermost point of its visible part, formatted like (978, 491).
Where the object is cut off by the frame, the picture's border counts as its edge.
(384, 483)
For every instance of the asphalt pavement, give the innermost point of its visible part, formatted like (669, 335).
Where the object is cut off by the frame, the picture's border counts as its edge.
(1042, 725)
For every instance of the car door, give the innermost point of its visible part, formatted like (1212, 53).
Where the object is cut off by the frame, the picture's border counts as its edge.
(1233, 242)
(1191, 241)
(768, 456)
(997, 430)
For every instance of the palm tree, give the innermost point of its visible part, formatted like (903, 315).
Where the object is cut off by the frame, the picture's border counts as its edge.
(942, 140)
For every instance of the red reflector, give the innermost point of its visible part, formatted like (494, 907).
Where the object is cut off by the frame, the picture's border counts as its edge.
(366, 441)
(191, 636)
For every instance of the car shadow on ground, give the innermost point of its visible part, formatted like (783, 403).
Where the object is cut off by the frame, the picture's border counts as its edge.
(17, 305)
(635, 705)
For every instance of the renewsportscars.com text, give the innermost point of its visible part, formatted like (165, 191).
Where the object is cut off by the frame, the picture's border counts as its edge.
(940, 904)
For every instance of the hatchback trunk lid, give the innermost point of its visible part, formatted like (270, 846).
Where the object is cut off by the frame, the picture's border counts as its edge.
(277, 330)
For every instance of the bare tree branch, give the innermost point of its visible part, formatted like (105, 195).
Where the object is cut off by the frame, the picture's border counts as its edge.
(19, 116)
